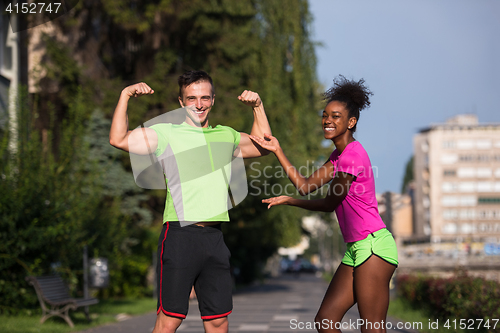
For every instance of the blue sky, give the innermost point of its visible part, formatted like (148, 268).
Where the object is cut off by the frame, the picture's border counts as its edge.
(425, 61)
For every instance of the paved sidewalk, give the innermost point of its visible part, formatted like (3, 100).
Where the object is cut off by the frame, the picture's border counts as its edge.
(285, 304)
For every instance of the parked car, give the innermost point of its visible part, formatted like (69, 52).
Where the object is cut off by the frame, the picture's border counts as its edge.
(299, 265)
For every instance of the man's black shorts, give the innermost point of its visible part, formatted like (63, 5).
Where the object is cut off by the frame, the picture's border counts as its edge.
(193, 255)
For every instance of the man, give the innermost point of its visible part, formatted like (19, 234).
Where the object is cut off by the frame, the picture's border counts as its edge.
(196, 161)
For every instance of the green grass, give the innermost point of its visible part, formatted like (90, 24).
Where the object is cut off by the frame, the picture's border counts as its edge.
(399, 308)
(101, 313)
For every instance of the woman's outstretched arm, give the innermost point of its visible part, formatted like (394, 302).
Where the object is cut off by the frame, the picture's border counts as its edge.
(338, 190)
(304, 185)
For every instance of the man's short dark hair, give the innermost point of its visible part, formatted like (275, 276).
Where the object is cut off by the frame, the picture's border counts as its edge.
(191, 77)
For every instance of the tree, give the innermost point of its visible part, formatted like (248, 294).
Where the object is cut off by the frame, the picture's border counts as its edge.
(408, 177)
(46, 198)
(287, 83)
(260, 45)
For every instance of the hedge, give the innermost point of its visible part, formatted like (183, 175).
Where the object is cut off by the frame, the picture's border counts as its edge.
(459, 297)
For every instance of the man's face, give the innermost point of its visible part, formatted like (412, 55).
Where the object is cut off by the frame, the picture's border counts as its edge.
(198, 100)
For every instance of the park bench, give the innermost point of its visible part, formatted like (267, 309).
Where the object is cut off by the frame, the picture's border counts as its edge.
(54, 298)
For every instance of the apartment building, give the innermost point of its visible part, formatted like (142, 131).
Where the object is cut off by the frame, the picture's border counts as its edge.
(457, 181)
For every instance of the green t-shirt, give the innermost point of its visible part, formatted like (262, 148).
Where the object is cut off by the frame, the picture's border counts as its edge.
(197, 166)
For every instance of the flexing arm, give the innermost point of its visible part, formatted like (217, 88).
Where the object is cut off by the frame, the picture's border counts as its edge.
(336, 193)
(141, 141)
(260, 125)
(304, 185)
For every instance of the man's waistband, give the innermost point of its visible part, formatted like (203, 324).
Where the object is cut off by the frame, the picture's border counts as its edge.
(196, 225)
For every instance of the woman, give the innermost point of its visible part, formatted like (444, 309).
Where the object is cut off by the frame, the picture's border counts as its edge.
(371, 257)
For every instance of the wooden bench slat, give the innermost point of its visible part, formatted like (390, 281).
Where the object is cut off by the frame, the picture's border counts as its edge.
(52, 285)
(55, 294)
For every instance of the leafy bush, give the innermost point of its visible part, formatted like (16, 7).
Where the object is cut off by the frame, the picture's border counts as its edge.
(459, 297)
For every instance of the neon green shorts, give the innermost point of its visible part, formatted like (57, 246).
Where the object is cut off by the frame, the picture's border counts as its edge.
(380, 243)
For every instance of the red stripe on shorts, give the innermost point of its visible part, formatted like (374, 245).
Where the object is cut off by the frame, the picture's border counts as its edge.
(177, 315)
(161, 272)
(216, 316)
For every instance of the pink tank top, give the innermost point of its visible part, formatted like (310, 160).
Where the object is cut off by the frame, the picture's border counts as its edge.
(358, 213)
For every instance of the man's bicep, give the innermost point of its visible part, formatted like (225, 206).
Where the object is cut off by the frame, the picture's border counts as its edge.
(142, 141)
(248, 148)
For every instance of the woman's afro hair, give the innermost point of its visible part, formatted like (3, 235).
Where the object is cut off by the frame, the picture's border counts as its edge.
(355, 95)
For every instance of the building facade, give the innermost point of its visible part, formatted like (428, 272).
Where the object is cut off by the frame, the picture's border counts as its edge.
(397, 213)
(457, 182)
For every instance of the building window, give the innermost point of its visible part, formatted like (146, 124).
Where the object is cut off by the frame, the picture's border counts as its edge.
(467, 228)
(483, 158)
(466, 187)
(484, 187)
(483, 215)
(449, 187)
(467, 214)
(489, 200)
(466, 172)
(483, 144)
(450, 214)
(449, 144)
(465, 144)
(450, 228)
(468, 201)
(449, 159)
(449, 173)
(449, 201)
(484, 172)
